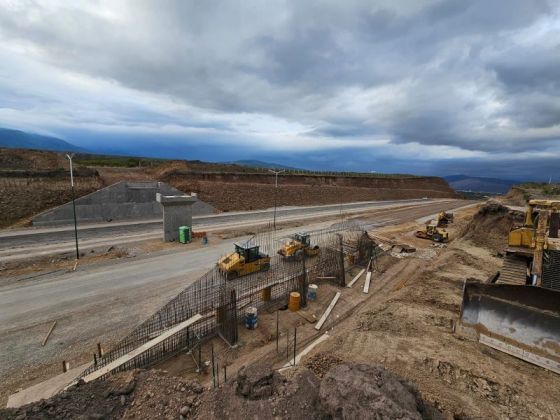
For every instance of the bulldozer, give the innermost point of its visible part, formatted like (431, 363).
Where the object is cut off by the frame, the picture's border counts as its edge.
(246, 259)
(533, 247)
(443, 219)
(433, 233)
(518, 311)
(298, 245)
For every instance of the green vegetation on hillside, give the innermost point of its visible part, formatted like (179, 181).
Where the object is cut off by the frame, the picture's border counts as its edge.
(116, 161)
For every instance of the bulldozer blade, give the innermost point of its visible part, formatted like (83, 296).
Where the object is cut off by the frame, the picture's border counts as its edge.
(523, 321)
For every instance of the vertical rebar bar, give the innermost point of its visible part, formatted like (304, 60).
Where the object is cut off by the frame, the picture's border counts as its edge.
(342, 273)
(213, 369)
(295, 340)
(277, 332)
(218, 373)
(200, 358)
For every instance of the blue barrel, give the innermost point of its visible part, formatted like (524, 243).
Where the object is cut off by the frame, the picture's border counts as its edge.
(312, 292)
(251, 318)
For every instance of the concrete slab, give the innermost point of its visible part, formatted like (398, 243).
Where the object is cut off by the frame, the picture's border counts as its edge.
(46, 389)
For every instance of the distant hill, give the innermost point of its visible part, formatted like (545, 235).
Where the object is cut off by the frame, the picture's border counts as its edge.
(480, 184)
(16, 139)
(261, 164)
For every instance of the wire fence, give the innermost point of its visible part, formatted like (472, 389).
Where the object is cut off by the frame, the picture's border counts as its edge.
(222, 302)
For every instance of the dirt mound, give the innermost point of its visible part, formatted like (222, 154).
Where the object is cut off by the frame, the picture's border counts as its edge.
(362, 391)
(490, 227)
(137, 394)
(516, 197)
(347, 391)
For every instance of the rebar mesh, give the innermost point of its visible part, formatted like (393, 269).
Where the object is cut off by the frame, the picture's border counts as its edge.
(223, 302)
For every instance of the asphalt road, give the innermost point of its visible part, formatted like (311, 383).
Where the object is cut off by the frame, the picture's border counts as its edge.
(101, 302)
(17, 244)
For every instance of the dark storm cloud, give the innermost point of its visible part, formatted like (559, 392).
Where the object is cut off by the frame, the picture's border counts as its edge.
(476, 76)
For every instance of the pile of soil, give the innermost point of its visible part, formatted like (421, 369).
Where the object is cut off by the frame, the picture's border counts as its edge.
(346, 391)
(139, 394)
(490, 227)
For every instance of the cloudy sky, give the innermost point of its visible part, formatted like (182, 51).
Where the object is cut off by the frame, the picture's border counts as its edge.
(427, 87)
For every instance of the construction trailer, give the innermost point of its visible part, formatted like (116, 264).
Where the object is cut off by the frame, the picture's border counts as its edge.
(518, 312)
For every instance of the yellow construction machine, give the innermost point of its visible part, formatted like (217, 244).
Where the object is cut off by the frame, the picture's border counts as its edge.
(444, 218)
(245, 260)
(532, 244)
(433, 233)
(297, 245)
(520, 313)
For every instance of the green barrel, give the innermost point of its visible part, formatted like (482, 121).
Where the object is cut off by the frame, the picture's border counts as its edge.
(185, 234)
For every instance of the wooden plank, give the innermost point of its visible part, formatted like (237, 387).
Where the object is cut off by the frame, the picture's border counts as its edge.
(368, 280)
(327, 312)
(144, 347)
(305, 351)
(48, 334)
(355, 279)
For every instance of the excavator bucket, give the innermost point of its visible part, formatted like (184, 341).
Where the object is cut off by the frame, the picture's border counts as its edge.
(523, 321)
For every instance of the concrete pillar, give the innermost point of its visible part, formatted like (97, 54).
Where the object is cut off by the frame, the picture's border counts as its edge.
(177, 212)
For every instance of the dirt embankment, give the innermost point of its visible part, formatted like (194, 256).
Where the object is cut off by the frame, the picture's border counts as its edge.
(346, 391)
(491, 225)
(246, 191)
(34, 181)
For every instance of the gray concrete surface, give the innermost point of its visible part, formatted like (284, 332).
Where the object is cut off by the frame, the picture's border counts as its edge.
(24, 243)
(177, 212)
(120, 201)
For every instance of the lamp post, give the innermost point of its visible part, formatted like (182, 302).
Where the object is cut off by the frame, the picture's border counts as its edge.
(69, 157)
(276, 173)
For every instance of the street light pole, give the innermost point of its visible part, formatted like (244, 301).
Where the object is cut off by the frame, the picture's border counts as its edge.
(276, 173)
(74, 206)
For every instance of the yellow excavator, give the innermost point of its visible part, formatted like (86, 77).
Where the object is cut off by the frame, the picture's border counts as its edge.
(433, 233)
(518, 311)
(245, 260)
(297, 245)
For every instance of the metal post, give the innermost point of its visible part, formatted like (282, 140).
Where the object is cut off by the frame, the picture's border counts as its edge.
(343, 275)
(275, 193)
(288, 344)
(213, 368)
(277, 332)
(225, 374)
(99, 350)
(74, 206)
(218, 373)
(295, 341)
(200, 358)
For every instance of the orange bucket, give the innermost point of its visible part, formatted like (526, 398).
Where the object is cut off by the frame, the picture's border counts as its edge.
(294, 301)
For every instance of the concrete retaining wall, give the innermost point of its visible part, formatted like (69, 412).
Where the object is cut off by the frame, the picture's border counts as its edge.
(120, 201)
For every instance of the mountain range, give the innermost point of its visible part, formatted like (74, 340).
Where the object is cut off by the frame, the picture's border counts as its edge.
(23, 140)
(480, 184)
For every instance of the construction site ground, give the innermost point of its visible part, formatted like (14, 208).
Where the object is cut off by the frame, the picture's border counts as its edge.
(109, 294)
(405, 323)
